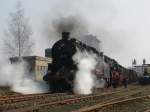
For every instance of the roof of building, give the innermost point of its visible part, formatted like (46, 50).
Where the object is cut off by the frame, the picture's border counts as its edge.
(32, 57)
(143, 65)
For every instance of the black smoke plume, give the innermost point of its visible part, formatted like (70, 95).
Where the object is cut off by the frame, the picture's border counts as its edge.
(76, 25)
(66, 24)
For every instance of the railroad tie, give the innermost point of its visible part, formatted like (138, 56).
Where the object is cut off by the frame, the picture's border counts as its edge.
(148, 110)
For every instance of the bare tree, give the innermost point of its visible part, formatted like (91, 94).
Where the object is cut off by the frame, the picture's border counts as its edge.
(17, 41)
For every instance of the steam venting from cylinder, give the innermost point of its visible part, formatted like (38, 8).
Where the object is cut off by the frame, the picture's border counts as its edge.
(84, 80)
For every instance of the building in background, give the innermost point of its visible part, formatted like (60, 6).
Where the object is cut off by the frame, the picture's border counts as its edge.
(141, 70)
(36, 65)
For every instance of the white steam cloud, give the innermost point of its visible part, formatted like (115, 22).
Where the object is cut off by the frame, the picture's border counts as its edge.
(18, 79)
(84, 79)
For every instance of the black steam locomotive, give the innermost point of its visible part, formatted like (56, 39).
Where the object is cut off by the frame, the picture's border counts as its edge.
(61, 71)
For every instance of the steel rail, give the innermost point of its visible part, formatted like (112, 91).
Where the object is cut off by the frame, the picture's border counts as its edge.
(97, 107)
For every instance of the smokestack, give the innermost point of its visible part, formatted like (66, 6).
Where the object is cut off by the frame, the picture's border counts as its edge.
(65, 35)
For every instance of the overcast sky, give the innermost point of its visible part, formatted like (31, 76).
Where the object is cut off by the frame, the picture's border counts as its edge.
(123, 26)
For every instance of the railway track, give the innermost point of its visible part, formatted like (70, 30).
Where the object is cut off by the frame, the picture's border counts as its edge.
(42, 103)
(106, 106)
(19, 98)
(115, 104)
(105, 99)
(70, 99)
